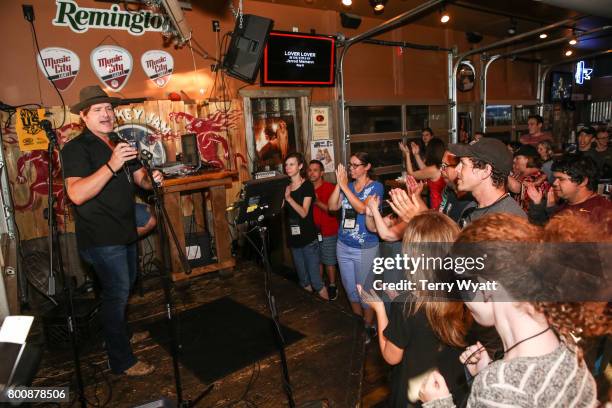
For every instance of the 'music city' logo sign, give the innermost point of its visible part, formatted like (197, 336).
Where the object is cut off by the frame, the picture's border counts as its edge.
(81, 19)
(112, 65)
(59, 65)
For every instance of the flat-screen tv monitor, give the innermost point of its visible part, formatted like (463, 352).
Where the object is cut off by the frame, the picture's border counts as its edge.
(298, 59)
(561, 86)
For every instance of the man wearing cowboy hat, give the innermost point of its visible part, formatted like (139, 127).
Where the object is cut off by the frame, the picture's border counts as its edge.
(100, 179)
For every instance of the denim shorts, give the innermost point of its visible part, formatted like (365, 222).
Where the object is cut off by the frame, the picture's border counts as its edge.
(327, 250)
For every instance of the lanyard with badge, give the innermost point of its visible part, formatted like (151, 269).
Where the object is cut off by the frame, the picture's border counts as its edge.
(294, 226)
(350, 218)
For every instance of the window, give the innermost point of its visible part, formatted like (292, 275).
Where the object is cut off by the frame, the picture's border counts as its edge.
(499, 115)
(375, 119)
(417, 117)
(522, 114)
(382, 152)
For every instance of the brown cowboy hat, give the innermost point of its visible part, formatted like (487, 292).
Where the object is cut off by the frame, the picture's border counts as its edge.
(91, 95)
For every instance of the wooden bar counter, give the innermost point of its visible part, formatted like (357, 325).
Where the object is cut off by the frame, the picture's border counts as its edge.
(215, 182)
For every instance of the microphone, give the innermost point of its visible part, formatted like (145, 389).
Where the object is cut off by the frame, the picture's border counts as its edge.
(48, 129)
(116, 138)
(45, 125)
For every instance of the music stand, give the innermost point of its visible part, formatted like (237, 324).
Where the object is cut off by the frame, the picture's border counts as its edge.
(263, 199)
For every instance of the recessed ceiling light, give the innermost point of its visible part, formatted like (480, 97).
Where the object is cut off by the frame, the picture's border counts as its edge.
(347, 2)
(573, 41)
(445, 18)
(569, 53)
(543, 35)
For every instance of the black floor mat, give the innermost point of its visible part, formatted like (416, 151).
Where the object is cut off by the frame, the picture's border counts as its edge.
(221, 337)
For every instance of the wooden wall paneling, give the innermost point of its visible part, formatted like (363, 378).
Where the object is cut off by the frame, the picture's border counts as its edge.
(159, 111)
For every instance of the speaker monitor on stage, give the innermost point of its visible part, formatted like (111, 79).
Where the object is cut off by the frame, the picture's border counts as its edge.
(246, 48)
(350, 20)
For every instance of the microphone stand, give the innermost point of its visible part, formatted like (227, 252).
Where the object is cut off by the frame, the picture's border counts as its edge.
(163, 224)
(54, 246)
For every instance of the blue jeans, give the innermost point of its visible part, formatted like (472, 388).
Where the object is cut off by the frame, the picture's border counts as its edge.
(306, 261)
(355, 265)
(115, 267)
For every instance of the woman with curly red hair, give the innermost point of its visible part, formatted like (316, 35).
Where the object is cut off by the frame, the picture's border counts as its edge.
(541, 364)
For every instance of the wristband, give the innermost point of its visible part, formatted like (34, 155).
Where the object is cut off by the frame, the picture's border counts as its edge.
(111, 169)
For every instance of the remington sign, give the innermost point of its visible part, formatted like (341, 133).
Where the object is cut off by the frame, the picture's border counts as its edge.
(81, 19)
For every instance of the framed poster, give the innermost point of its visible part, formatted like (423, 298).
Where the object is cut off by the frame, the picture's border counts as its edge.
(323, 150)
(275, 138)
(320, 123)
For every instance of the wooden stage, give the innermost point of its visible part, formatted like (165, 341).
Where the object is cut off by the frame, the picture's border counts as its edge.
(327, 363)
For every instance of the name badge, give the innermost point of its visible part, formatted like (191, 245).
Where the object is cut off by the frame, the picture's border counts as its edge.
(295, 230)
(350, 219)
(319, 237)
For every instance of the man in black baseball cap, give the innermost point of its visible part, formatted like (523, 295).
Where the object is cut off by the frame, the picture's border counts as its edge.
(483, 170)
(100, 181)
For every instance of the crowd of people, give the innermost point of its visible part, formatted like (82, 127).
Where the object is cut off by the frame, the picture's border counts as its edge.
(506, 347)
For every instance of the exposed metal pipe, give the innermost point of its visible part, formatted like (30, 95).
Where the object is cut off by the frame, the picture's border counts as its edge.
(554, 42)
(345, 138)
(404, 44)
(394, 22)
(449, 69)
(547, 69)
(518, 37)
(382, 28)
(453, 91)
(483, 94)
(539, 89)
(488, 10)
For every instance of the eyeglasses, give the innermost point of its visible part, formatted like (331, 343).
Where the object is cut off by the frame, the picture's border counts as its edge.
(444, 166)
(353, 165)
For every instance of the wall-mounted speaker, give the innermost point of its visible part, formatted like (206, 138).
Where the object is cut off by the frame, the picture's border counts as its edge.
(350, 20)
(246, 48)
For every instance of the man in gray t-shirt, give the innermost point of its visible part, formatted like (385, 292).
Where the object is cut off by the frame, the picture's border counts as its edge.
(483, 170)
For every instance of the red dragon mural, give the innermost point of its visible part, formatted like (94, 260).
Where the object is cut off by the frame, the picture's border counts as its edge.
(207, 130)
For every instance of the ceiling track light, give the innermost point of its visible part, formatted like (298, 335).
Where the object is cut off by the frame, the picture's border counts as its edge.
(444, 16)
(574, 39)
(512, 29)
(378, 5)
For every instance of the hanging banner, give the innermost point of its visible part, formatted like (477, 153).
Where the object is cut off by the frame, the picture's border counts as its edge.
(59, 65)
(112, 65)
(30, 135)
(158, 65)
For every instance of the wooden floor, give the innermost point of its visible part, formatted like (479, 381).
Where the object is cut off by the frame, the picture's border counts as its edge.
(331, 362)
